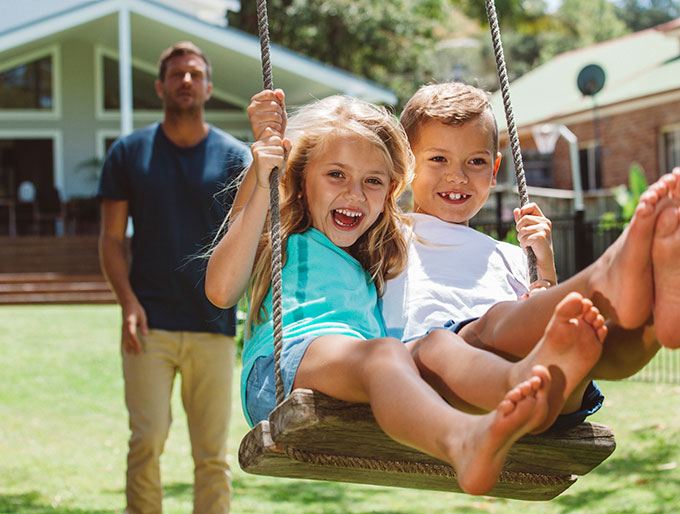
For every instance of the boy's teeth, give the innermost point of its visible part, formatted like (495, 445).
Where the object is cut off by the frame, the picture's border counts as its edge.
(455, 196)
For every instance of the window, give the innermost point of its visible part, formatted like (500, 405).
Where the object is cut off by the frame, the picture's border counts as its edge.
(144, 91)
(590, 159)
(28, 86)
(671, 149)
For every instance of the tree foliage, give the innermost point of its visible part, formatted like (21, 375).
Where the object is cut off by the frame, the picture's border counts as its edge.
(642, 14)
(388, 41)
(402, 44)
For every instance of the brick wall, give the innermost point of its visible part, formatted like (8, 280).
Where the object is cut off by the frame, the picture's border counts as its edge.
(626, 138)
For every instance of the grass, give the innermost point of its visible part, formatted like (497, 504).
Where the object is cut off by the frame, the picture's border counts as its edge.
(63, 438)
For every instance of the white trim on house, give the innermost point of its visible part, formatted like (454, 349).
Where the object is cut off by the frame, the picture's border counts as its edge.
(57, 23)
(100, 141)
(235, 40)
(53, 51)
(57, 150)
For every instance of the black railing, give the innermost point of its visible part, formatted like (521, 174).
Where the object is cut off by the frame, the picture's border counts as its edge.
(576, 242)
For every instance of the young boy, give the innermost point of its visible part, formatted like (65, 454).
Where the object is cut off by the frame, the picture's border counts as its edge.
(456, 272)
(456, 275)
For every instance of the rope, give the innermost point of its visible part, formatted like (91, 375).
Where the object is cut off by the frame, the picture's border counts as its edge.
(274, 216)
(419, 468)
(510, 119)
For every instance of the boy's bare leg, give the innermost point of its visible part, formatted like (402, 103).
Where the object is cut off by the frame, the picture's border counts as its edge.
(619, 283)
(572, 345)
(468, 377)
(666, 262)
(382, 373)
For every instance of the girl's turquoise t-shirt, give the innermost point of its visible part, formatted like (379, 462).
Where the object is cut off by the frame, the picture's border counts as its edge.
(325, 291)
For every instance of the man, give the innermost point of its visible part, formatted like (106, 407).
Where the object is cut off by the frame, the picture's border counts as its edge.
(169, 177)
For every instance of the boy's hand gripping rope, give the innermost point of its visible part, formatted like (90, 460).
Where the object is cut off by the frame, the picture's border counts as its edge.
(275, 228)
(510, 119)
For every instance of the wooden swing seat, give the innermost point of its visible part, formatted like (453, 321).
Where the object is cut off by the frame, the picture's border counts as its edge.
(313, 436)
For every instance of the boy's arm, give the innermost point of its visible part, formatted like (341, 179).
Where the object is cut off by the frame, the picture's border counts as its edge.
(535, 231)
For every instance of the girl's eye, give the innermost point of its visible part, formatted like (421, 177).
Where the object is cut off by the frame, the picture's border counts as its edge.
(478, 161)
(335, 174)
(375, 181)
(438, 158)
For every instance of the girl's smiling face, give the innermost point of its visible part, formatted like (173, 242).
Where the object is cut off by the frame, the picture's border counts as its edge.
(345, 187)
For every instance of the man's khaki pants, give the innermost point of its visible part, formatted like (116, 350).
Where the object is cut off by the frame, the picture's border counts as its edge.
(205, 362)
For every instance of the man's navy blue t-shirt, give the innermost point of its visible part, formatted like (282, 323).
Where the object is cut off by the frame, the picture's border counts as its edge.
(177, 202)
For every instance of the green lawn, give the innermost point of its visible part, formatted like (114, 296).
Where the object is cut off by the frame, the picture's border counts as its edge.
(63, 438)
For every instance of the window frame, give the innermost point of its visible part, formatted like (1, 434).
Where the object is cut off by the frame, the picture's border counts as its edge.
(664, 165)
(591, 173)
(54, 113)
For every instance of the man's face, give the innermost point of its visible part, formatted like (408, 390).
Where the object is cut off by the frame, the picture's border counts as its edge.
(456, 168)
(185, 87)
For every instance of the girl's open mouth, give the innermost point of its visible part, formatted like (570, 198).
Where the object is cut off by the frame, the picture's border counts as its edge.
(346, 217)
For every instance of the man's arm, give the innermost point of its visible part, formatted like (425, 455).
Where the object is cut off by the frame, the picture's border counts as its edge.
(114, 263)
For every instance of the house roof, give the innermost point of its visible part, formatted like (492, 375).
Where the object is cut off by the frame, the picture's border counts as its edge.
(637, 65)
(235, 55)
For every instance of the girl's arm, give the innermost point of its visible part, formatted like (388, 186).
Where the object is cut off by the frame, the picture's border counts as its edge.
(232, 260)
(535, 230)
(266, 110)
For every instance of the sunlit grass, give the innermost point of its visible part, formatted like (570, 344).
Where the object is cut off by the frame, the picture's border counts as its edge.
(63, 438)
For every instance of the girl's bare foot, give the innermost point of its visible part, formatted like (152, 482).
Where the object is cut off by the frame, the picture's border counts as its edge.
(479, 455)
(622, 283)
(570, 347)
(666, 265)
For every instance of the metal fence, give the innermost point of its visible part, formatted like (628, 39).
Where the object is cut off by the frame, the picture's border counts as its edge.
(577, 244)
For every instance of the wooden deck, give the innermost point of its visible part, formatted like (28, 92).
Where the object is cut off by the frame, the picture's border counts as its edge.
(51, 270)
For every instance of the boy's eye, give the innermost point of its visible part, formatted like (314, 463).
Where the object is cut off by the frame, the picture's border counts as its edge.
(335, 174)
(478, 161)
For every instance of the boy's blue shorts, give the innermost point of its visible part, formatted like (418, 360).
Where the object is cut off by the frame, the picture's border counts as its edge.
(592, 397)
(260, 385)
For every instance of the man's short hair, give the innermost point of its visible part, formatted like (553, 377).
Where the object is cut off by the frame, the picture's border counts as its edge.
(181, 48)
(451, 103)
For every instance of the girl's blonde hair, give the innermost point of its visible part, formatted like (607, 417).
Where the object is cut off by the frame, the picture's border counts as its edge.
(381, 250)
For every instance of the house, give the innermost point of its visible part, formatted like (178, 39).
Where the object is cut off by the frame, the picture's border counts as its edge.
(63, 102)
(634, 118)
(74, 76)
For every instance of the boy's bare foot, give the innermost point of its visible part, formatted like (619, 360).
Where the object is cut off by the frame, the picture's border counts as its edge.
(622, 283)
(478, 457)
(665, 252)
(570, 347)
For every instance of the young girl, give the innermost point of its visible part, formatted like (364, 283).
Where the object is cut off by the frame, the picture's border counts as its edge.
(340, 229)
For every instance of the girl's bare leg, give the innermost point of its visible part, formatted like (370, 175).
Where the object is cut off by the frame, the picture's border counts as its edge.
(666, 259)
(382, 373)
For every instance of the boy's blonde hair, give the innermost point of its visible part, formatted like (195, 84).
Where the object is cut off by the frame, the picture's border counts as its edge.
(451, 103)
(381, 250)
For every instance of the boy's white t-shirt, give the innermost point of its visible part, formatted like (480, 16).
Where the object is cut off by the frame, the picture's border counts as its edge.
(453, 273)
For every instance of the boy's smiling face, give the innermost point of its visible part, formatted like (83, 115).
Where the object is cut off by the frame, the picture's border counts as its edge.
(456, 168)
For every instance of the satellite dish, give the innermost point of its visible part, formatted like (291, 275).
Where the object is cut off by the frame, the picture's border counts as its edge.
(591, 79)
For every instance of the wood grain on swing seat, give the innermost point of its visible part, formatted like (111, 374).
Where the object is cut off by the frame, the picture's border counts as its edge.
(311, 435)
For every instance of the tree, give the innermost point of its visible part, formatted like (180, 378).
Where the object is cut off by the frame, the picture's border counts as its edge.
(642, 14)
(390, 41)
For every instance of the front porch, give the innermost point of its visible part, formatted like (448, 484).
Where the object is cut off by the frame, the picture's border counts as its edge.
(51, 270)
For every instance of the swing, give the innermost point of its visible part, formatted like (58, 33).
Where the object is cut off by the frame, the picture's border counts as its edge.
(313, 436)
